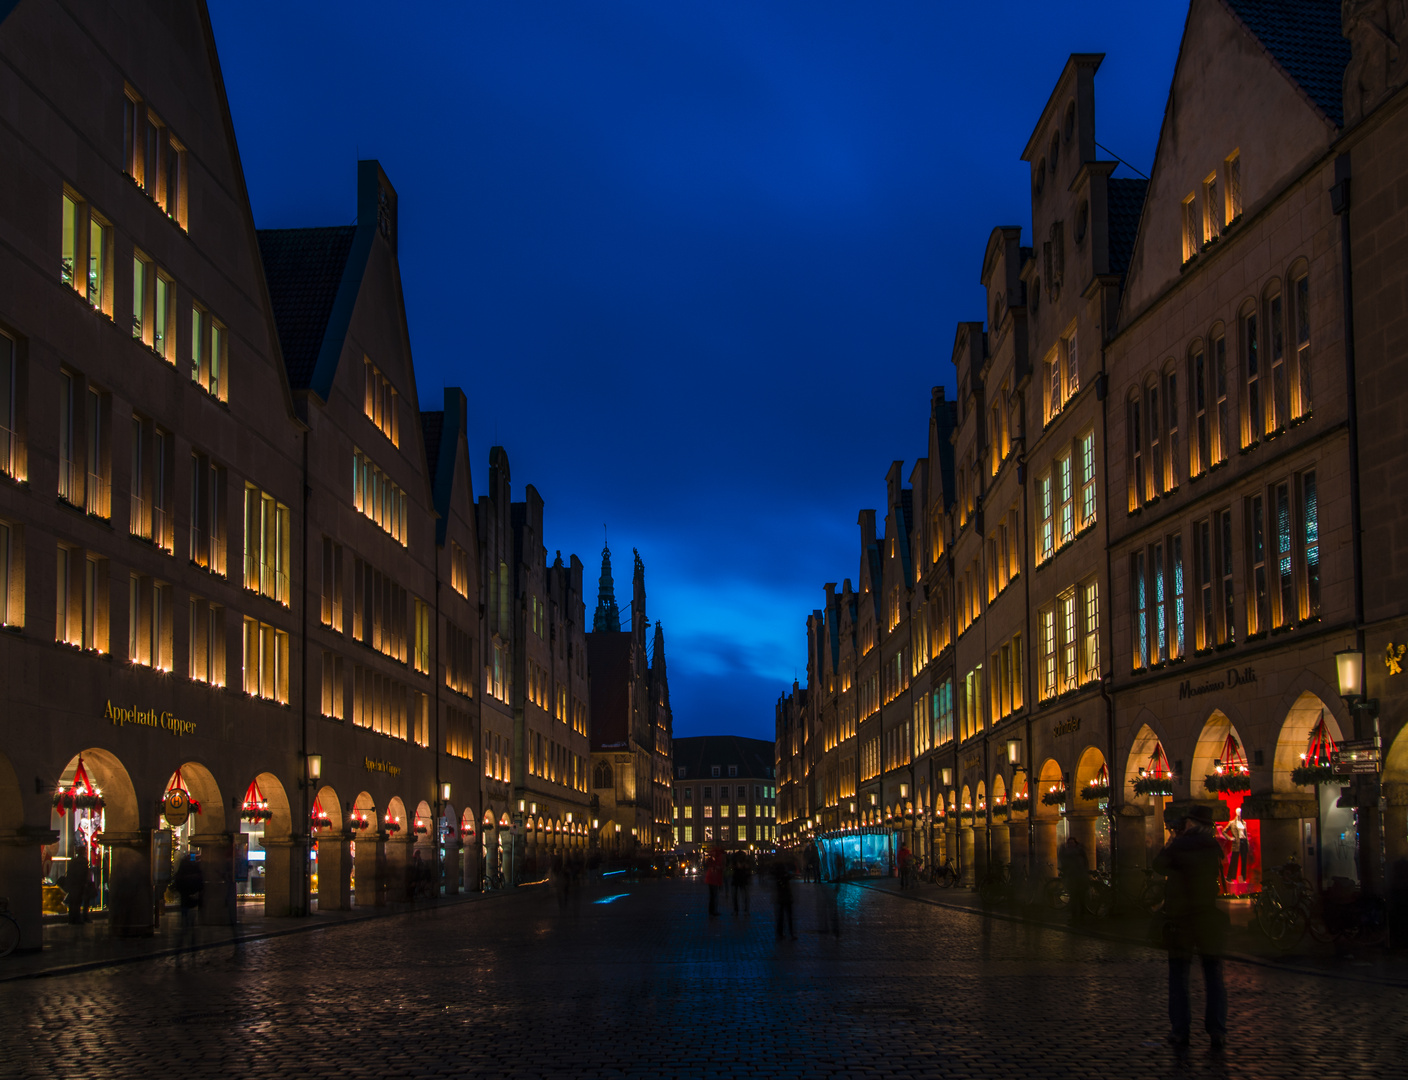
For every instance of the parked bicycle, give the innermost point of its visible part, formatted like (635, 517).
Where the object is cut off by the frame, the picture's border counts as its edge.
(9, 929)
(945, 876)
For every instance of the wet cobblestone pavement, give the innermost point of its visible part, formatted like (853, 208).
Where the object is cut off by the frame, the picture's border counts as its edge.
(636, 981)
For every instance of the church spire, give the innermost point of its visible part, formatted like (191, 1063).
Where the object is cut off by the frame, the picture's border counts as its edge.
(608, 615)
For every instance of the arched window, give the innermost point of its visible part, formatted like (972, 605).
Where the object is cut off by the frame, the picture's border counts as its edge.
(601, 775)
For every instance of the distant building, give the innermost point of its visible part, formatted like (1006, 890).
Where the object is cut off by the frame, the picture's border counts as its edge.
(725, 793)
(632, 729)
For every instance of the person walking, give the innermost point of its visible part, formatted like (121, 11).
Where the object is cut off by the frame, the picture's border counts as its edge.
(903, 859)
(1192, 862)
(782, 895)
(714, 878)
(742, 876)
(189, 883)
(78, 886)
(1074, 869)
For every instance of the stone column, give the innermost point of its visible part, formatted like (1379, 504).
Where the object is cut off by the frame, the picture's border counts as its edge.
(396, 856)
(1001, 845)
(968, 846)
(334, 871)
(1019, 844)
(450, 866)
(370, 881)
(218, 903)
(1132, 840)
(130, 902)
(21, 877)
(283, 876)
(1046, 830)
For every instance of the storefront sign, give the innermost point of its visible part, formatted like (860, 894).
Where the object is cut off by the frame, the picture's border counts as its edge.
(176, 808)
(1066, 727)
(1246, 676)
(973, 762)
(375, 765)
(148, 718)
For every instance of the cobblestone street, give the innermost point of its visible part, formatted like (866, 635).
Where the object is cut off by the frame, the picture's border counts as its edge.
(636, 980)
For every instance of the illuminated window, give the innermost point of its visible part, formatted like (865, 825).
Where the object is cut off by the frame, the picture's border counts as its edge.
(382, 403)
(379, 497)
(266, 545)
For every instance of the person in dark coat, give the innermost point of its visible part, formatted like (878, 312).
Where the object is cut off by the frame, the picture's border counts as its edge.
(189, 884)
(1192, 862)
(78, 886)
(742, 875)
(782, 902)
(1074, 868)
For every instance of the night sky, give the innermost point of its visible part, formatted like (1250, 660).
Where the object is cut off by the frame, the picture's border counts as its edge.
(696, 264)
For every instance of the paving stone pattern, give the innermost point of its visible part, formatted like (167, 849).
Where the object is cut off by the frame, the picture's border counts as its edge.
(647, 985)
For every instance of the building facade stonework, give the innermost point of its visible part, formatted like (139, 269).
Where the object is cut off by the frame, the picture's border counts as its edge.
(1167, 506)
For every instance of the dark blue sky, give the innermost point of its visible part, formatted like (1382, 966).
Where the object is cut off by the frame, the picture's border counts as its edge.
(696, 264)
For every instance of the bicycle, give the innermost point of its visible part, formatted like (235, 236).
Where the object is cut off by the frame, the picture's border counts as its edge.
(1284, 910)
(9, 929)
(945, 876)
(996, 888)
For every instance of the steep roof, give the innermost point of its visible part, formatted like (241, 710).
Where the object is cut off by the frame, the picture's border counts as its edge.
(1126, 204)
(304, 268)
(1304, 38)
(698, 755)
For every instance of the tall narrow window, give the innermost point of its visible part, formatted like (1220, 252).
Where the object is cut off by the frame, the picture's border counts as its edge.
(1170, 478)
(1254, 418)
(1277, 405)
(1232, 173)
(1176, 613)
(1229, 599)
(1136, 456)
(1300, 293)
(70, 241)
(1045, 540)
(141, 268)
(1138, 591)
(1219, 380)
(215, 373)
(139, 520)
(198, 324)
(8, 576)
(1211, 208)
(1086, 446)
(98, 240)
(1065, 488)
(1207, 606)
(96, 500)
(1199, 449)
(1072, 359)
(9, 438)
(1090, 648)
(162, 336)
(1048, 652)
(163, 528)
(1312, 545)
(1070, 643)
(62, 594)
(1158, 646)
(1191, 242)
(1287, 610)
(1258, 617)
(1152, 416)
(131, 156)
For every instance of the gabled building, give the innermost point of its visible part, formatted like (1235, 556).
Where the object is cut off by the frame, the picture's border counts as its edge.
(724, 794)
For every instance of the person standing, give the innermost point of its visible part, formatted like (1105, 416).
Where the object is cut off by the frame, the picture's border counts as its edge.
(782, 898)
(742, 874)
(189, 883)
(78, 885)
(714, 878)
(1192, 862)
(904, 859)
(1074, 869)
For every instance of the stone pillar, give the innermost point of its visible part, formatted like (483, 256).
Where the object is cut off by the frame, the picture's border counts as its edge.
(1001, 845)
(370, 881)
(283, 876)
(334, 871)
(21, 877)
(1132, 838)
(1046, 829)
(396, 857)
(967, 843)
(450, 867)
(130, 903)
(1280, 815)
(218, 903)
(1084, 829)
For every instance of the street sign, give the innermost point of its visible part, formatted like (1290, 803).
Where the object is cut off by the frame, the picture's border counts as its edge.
(1359, 756)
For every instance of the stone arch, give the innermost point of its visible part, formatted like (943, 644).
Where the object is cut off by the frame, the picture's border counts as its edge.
(979, 797)
(121, 812)
(1088, 767)
(1051, 775)
(396, 811)
(280, 825)
(1208, 749)
(966, 802)
(488, 817)
(1301, 718)
(999, 789)
(118, 851)
(327, 799)
(424, 817)
(202, 787)
(1141, 750)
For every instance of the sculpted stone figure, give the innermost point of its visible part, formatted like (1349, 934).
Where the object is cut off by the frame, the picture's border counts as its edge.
(1376, 62)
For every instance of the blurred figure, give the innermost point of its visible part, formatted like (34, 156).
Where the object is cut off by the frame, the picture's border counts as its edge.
(1074, 869)
(742, 877)
(714, 877)
(1192, 861)
(782, 898)
(78, 885)
(811, 865)
(189, 883)
(904, 858)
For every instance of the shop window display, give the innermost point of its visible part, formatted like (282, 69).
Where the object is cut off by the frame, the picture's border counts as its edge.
(1240, 839)
(76, 868)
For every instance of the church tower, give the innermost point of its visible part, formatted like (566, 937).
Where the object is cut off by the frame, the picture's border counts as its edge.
(608, 615)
